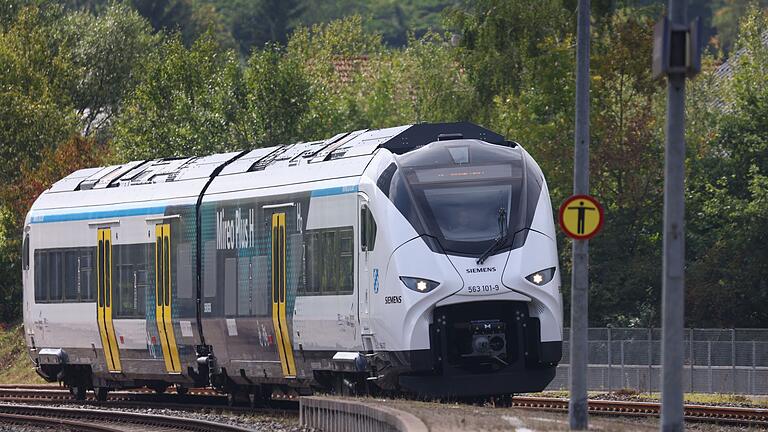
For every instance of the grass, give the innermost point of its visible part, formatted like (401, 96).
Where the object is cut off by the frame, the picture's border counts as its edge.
(692, 398)
(15, 365)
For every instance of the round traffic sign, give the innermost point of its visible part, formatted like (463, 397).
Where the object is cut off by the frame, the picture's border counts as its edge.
(581, 217)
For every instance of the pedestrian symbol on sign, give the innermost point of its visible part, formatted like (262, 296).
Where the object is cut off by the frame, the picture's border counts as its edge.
(582, 212)
(581, 217)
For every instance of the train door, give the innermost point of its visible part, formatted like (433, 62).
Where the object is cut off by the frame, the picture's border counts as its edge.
(164, 297)
(279, 297)
(104, 301)
(365, 275)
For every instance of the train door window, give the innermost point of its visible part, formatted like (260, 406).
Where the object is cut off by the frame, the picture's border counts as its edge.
(25, 253)
(167, 258)
(159, 254)
(41, 263)
(70, 275)
(367, 229)
(108, 273)
(100, 269)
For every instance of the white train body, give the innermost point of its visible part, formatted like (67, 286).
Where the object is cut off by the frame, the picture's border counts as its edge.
(401, 257)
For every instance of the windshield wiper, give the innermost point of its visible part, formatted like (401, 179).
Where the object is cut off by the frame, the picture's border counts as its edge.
(500, 240)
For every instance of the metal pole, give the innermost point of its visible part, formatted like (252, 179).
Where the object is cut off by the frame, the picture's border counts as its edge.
(693, 359)
(610, 361)
(650, 360)
(733, 360)
(674, 242)
(577, 408)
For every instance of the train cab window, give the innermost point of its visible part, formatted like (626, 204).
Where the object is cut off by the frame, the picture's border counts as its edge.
(329, 262)
(25, 253)
(367, 230)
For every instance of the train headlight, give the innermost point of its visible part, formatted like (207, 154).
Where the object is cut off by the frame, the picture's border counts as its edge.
(541, 277)
(419, 284)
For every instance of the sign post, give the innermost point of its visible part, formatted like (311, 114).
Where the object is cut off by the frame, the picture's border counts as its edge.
(577, 407)
(676, 53)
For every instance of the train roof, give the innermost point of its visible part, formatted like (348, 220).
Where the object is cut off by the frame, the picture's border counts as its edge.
(186, 177)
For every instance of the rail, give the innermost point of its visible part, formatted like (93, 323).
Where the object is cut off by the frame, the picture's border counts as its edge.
(337, 415)
(36, 413)
(693, 412)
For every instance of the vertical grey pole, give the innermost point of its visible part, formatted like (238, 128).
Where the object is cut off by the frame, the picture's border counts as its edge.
(733, 360)
(577, 408)
(674, 242)
(693, 358)
(610, 361)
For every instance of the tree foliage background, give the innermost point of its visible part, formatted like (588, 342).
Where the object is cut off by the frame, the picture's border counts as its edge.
(91, 82)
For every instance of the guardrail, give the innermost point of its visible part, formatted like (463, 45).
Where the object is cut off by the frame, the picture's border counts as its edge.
(338, 415)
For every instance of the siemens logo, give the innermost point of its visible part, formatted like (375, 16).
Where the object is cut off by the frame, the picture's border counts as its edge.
(481, 270)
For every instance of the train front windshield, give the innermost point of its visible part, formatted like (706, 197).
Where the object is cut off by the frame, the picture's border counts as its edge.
(466, 194)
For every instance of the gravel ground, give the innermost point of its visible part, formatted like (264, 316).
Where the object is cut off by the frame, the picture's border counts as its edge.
(462, 417)
(255, 421)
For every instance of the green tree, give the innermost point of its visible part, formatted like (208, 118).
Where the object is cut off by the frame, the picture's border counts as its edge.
(106, 52)
(498, 37)
(188, 103)
(728, 213)
(35, 110)
(278, 97)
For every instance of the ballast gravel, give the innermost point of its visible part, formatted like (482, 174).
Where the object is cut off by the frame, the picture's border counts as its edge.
(255, 421)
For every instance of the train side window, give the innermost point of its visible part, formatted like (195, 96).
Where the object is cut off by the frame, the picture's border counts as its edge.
(55, 270)
(329, 262)
(70, 275)
(367, 230)
(41, 282)
(86, 278)
(131, 263)
(25, 253)
(345, 270)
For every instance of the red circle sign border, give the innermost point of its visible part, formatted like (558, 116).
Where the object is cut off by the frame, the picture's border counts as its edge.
(570, 200)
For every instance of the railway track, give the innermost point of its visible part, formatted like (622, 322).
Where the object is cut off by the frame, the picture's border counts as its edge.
(194, 399)
(91, 420)
(208, 399)
(700, 413)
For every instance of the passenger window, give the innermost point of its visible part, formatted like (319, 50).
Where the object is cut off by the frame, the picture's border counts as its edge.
(86, 276)
(367, 230)
(41, 263)
(70, 276)
(329, 262)
(54, 276)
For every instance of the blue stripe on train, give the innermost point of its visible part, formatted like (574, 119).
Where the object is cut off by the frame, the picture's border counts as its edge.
(68, 217)
(334, 191)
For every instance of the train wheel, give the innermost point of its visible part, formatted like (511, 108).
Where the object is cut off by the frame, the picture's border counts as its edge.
(101, 393)
(78, 392)
(181, 390)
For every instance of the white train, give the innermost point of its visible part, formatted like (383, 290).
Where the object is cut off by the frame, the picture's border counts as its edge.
(419, 258)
